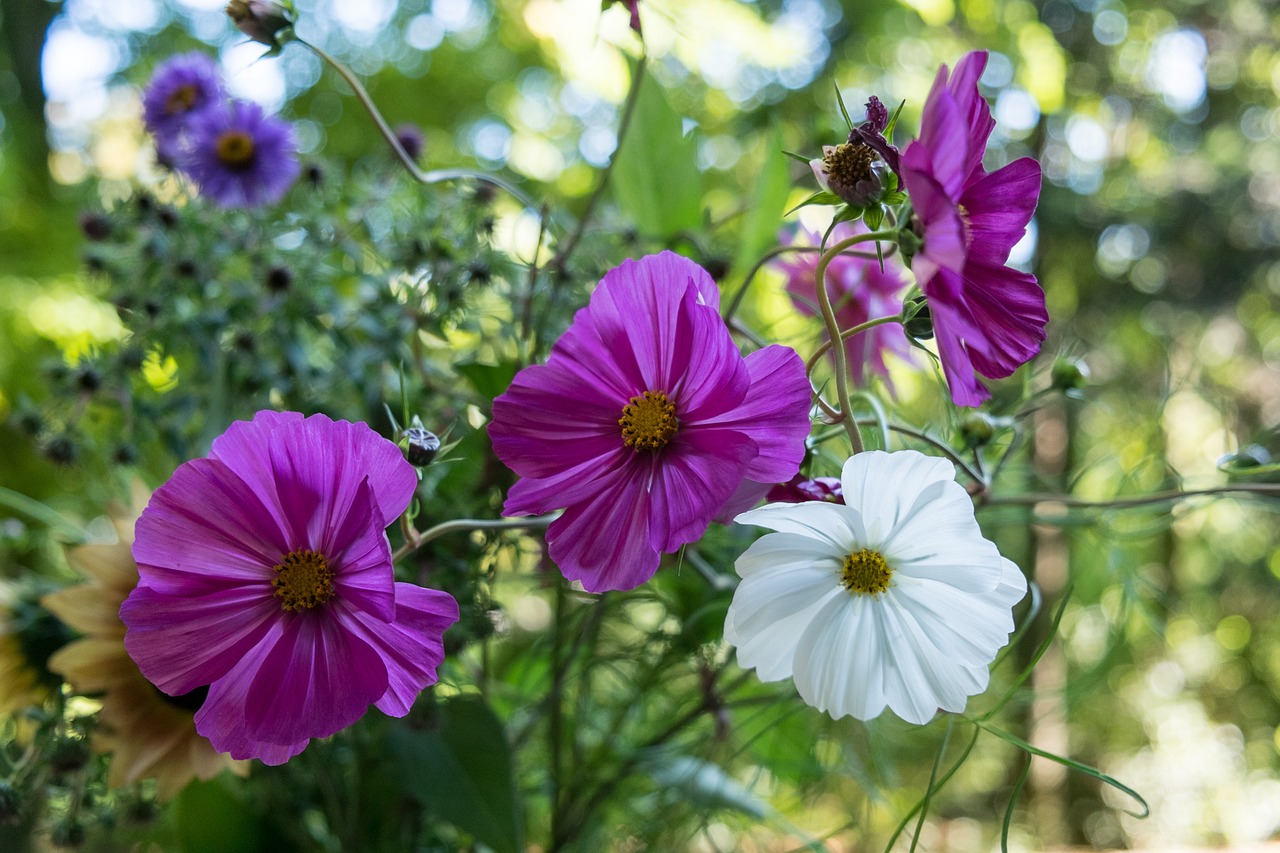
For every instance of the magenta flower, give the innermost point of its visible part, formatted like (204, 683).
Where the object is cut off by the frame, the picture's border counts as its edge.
(644, 421)
(860, 291)
(182, 87)
(987, 317)
(239, 156)
(265, 574)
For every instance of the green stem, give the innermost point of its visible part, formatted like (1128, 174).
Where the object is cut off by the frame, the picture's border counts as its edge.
(1266, 490)
(36, 511)
(435, 176)
(468, 524)
(848, 333)
(833, 327)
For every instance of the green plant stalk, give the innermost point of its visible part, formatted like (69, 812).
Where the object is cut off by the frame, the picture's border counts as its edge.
(833, 328)
(468, 524)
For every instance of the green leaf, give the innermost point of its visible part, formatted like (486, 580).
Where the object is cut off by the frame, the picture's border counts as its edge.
(820, 197)
(874, 216)
(655, 175)
(460, 770)
(799, 158)
(893, 121)
(212, 819)
(1071, 764)
(768, 200)
(489, 379)
(843, 110)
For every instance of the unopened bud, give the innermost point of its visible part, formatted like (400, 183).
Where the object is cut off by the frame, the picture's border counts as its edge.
(421, 445)
(917, 321)
(976, 429)
(1069, 374)
(263, 21)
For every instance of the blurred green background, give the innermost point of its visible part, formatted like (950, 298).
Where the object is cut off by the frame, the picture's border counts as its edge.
(1158, 128)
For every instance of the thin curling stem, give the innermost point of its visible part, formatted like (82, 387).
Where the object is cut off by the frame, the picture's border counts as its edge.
(833, 327)
(435, 176)
(417, 540)
(848, 333)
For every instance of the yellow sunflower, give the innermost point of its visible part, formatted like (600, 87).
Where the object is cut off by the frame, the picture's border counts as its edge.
(149, 734)
(21, 684)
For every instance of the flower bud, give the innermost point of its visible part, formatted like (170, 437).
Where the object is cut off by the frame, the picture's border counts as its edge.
(68, 755)
(976, 429)
(420, 445)
(10, 805)
(917, 321)
(261, 20)
(1069, 374)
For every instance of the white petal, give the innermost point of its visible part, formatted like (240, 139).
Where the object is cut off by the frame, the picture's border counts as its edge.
(1013, 584)
(967, 628)
(837, 526)
(771, 651)
(883, 487)
(939, 538)
(781, 551)
(840, 659)
(920, 678)
(772, 606)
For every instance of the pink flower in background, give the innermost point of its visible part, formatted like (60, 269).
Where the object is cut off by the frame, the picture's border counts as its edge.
(265, 573)
(988, 318)
(859, 290)
(644, 421)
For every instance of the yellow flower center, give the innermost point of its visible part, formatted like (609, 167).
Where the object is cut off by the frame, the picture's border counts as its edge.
(648, 421)
(866, 573)
(182, 99)
(848, 163)
(235, 149)
(303, 580)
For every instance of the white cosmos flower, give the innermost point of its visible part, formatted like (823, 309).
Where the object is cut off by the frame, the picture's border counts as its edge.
(893, 598)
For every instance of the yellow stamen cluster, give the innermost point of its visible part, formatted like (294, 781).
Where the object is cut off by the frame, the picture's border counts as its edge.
(848, 163)
(866, 573)
(648, 421)
(235, 149)
(303, 580)
(182, 99)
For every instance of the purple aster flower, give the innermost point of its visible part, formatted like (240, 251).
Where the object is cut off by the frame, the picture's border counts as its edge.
(265, 574)
(181, 88)
(239, 156)
(987, 317)
(644, 422)
(860, 291)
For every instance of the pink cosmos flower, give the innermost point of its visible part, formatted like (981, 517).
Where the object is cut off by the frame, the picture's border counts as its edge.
(644, 421)
(265, 573)
(859, 290)
(987, 317)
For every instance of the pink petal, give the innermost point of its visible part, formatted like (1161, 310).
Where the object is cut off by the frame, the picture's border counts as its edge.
(945, 136)
(221, 718)
(605, 543)
(691, 481)
(315, 679)
(774, 414)
(184, 641)
(364, 575)
(205, 529)
(1000, 205)
(973, 107)
(412, 646)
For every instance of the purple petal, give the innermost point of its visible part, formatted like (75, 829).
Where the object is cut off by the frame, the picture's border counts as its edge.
(692, 480)
(184, 641)
(973, 107)
(221, 719)
(205, 529)
(999, 206)
(944, 239)
(313, 467)
(1009, 306)
(949, 326)
(775, 413)
(412, 646)
(945, 138)
(605, 543)
(360, 556)
(315, 679)
(533, 495)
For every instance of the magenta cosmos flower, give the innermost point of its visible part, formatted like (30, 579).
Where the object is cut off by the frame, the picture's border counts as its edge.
(182, 87)
(239, 156)
(860, 290)
(987, 317)
(265, 573)
(644, 421)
